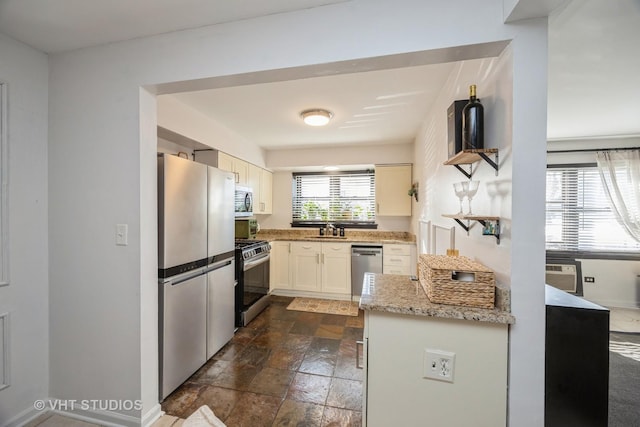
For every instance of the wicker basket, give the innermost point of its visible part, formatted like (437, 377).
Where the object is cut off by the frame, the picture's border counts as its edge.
(457, 281)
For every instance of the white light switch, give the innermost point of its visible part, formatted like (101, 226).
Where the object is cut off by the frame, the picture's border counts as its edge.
(122, 234)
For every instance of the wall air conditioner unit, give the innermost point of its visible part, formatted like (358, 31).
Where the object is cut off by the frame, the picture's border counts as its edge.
(562, 276)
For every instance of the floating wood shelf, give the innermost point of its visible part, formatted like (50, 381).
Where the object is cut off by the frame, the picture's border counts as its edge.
(469, 157)
(486, 222)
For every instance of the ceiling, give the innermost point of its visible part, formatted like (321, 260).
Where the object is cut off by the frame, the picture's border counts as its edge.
(59, 25)
(376, 107)
(594, 64)
(593, 69)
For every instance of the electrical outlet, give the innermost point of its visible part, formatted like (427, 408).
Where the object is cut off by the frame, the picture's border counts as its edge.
(589, 279)
(439, 365)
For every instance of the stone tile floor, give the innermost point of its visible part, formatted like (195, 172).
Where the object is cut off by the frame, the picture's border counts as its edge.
(286, 368)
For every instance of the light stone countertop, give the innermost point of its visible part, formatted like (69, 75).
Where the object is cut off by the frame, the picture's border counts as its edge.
(351, 236)
(401, 295)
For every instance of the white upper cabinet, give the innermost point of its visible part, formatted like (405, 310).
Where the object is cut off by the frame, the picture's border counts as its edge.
(393, 183)
(255, 176)
(261, 181)
(232, 164)
(266, 193)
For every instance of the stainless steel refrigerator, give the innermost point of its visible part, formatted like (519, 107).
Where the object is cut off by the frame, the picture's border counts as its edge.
(196, 267)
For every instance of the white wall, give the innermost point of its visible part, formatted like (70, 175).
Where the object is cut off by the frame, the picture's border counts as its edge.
(585, 144)
(529, 130)
(617, 282)
(169, 147)
(516, 195)
(311, 159)
(24, 71)
(362, 154)
(494, 81)
(102, 169)
(184, 120)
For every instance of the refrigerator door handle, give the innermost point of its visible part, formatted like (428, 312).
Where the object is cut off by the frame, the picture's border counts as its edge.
(183, 278)
(219, 265)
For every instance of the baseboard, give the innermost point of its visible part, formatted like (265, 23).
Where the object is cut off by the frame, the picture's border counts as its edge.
(78, 410)
(309, 294)
(152, 415)
(23, 417)
(102, 418)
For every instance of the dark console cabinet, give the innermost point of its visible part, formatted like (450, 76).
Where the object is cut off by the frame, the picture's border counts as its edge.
(576, 361)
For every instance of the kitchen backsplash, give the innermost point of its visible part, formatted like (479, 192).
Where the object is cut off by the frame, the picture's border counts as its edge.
(352, 234)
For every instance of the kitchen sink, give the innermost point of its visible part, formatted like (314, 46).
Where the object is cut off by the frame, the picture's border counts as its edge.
(331, 237)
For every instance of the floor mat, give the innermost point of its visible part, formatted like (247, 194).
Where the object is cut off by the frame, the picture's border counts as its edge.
(315, 305)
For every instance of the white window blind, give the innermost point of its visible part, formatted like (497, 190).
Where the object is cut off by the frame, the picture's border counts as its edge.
(578, 214)
(344, 197)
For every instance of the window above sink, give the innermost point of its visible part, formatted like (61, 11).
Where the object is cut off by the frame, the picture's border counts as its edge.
(344, 199)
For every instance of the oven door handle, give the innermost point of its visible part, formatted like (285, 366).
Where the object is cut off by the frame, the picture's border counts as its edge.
(255, 262)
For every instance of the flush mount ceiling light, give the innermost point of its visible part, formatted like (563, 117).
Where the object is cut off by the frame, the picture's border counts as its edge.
(316, 117)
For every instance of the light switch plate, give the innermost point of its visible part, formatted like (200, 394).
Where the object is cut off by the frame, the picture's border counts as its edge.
(122, 234)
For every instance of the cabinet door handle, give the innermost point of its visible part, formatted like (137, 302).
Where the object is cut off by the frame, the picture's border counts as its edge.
(317, 258)
(359, 344)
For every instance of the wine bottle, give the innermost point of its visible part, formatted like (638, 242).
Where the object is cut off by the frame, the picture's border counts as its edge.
(473, 122)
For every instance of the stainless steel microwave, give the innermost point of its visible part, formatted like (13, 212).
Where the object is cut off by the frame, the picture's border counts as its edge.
(244, 201)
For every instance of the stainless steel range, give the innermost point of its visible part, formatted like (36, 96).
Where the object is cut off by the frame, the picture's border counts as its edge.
(252, 275)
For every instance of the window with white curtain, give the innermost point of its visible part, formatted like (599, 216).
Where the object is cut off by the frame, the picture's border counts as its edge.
(342, 198)
(4, 197)
(579, 217)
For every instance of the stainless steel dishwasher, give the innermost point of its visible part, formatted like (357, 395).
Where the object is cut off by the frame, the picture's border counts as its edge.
(364, 258)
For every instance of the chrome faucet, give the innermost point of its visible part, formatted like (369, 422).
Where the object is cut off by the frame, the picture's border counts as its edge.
(330, 229)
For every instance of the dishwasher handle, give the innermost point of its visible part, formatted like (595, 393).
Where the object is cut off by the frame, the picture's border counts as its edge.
(366, 251)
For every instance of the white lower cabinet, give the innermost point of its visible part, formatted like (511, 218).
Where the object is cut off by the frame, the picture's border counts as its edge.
(336, 268)
(395, 367)
(306, 273)
(398, 259)
(308, 268)
(280, 265)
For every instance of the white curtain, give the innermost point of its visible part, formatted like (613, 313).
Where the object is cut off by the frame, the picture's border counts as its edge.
(620, 174)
